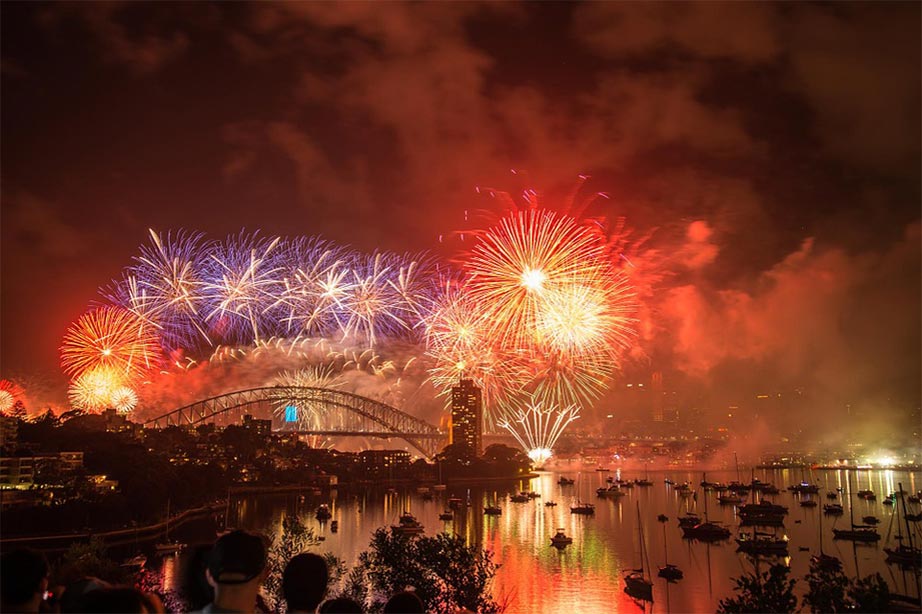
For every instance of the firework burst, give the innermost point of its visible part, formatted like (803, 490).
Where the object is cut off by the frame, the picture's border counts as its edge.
(110, 338)
(10, 393)
(93, 390)
(536, 427)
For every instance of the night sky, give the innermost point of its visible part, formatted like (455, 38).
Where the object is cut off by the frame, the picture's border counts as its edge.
(769, 152)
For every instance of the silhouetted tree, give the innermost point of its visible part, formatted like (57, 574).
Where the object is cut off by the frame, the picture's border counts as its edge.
(767, 591)
(870, 594)
(827, 591)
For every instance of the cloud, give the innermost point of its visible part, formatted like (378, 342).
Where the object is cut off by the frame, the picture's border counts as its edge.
(820, 316)
(143, 49)
(742, 32)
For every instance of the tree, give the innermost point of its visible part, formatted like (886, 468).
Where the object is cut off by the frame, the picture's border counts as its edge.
(506, 461)
(445, 573)
(769, 591)
(870, 594)
(294, 539)
(827, 590)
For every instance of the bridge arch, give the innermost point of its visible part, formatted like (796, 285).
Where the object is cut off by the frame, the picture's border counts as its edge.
(352, 414)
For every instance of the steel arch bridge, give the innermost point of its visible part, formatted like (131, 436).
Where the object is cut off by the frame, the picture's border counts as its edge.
(320, 411)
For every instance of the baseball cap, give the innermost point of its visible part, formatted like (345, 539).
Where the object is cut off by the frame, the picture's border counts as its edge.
(238, 553)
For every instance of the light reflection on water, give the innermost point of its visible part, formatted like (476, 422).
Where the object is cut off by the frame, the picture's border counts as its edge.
(587, 575)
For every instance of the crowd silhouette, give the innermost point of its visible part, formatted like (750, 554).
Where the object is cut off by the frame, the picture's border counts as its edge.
(225, 577)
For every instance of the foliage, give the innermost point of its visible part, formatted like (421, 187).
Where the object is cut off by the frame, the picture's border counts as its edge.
(443, 570)
(88, 559)
(294, 539)
(870, 594)
(827, 591)
(769, 591)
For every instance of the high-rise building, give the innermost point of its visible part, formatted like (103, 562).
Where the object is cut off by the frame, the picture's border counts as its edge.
(467, 416)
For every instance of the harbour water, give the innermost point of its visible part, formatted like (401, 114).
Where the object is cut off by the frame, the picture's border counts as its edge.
(587, 575)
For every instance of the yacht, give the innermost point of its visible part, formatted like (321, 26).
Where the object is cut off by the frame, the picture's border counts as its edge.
(833, 509)
(762, 543)
(492, 510)
(323, 512)
(566, 481)
(519, 498)
(560, 539)
(408, 524)
(612, 491)
(447, 515)
(905, 555)
(586, 509)
(636, 582)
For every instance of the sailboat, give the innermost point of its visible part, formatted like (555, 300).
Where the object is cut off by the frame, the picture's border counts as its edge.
(226, 528)
(636, 583)
(823, 560)
(585, 509)
(668, 571)
(168, 546)
(858, 532)
(706, 531)
(910, 556)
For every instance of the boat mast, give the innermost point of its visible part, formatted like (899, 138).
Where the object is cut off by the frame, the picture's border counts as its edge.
(906, 520)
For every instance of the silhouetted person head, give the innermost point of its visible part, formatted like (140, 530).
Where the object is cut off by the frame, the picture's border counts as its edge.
(236, 569)
(340, 605)
(72, 599)
(23, 580)
(119, 600)
(193, 583)
(406, 602)
(304, 582)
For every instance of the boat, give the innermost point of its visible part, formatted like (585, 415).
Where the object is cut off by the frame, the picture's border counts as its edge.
(440, 487)
(550, 504)
(670, 572)
(683, 487)
(833, 509)
(455, 503)
(560, 539)
(904, 555)
(823, 561)
(705, 531)
(729, 500)
(762, 543)
(566, 481)
(447, 515)
(867, 495)
(643, 482)
(636, 583)
(690, 519)
(603, 469)
(857, 532)
(334, 526)
(519, 498)
(668, 482)
(585, 509)
(808, 503)
(804, 488)
(323, 512)
(408, 524)
(168, 547)
(135, 563)
(913, 517)
(765, 517)
(492, 510)
(872, 520)
(533, 495)
(914, 498)
(832, 495)
(422, 490)
(612, 491)
(428, 496)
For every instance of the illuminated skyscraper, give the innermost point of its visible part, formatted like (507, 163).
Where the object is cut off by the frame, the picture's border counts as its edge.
(467, 416)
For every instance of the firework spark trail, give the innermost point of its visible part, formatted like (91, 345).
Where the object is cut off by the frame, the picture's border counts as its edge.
(536, 427)
(112, 338)
(10, 392)
(93, 390)
(123, 399)
(241, 283)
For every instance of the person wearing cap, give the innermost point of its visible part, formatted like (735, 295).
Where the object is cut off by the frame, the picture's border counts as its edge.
(236, 569)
